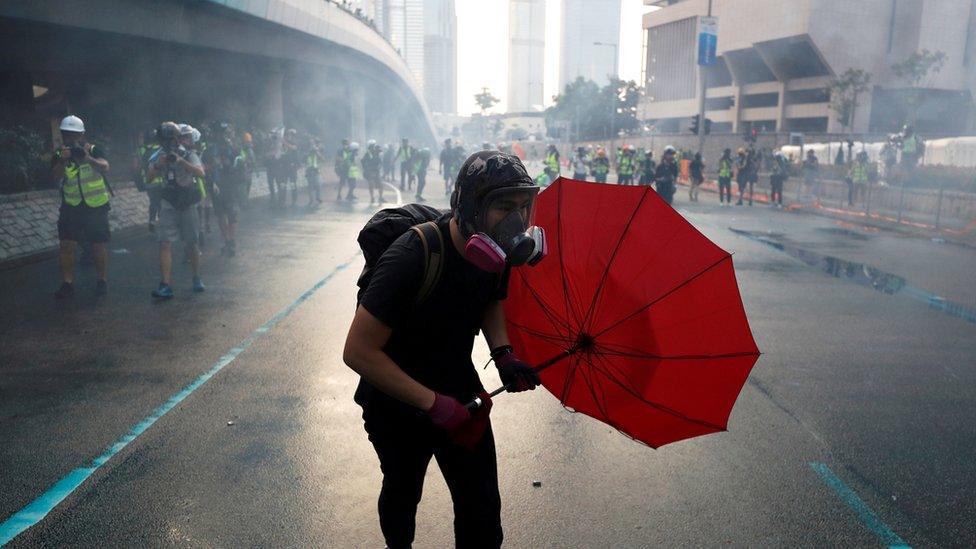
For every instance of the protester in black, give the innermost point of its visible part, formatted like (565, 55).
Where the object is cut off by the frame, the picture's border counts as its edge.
(415, 358)
(666, 175)
(697, 168)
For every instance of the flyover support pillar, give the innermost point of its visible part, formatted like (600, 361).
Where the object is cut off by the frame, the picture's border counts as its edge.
(357, 112)
(270, 107)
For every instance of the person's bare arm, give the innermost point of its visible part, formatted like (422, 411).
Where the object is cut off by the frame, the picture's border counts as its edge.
(100, 164)
(364, 354)
(57, 168)
(493, 325)
(194, 169)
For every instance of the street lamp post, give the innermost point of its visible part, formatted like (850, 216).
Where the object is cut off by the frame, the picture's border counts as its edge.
(613, 100)
(703, 77)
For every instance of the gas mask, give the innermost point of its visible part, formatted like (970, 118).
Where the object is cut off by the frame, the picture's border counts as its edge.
(511, 242)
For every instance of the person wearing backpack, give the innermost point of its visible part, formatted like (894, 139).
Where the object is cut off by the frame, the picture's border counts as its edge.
(179, 169)
(423, 298)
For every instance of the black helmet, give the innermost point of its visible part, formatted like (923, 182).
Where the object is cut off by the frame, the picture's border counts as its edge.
(482, 173)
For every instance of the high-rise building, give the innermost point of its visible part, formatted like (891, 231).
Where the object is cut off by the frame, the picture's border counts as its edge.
(526, 54)
(440, 56)
(402, 22)
(775, 62)
(590, 40)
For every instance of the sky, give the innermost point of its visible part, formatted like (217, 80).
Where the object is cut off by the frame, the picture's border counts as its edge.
(482, 49)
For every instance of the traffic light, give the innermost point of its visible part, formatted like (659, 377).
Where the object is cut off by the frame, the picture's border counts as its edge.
(708, 126)
(694, 124)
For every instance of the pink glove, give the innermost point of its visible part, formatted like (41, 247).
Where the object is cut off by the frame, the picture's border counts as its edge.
(447, 413)
(463, 428)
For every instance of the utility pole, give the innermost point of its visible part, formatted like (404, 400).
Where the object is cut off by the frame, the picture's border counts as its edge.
(703, 78)
(613, 100)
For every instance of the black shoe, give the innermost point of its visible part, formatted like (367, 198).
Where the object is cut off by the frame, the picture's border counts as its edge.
(101, 287)
(164, 291)
(66, 290)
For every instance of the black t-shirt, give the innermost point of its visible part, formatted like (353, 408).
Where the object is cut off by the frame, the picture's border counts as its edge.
(431, 342)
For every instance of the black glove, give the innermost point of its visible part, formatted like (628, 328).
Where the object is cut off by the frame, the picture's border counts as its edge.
(516, 375)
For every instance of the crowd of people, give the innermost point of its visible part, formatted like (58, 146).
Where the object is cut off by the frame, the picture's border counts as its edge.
(197, 178)
(632, 167)
(638, 166)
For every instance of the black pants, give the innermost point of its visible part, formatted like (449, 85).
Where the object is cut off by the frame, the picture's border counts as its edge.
(314, 189)
(404, 447)
(421, 182)
(666, 190)
(725, 189)
(776, 184)
(742, 190)
(405, 176)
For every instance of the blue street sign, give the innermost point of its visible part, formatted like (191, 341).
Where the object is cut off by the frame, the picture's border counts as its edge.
(707, 40)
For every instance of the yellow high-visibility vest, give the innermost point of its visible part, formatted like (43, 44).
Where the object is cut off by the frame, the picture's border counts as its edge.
(82, 182)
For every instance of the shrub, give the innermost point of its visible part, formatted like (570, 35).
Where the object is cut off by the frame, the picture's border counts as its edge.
(23, 160)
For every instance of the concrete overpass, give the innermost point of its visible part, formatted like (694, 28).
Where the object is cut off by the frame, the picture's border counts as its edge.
(303, 63)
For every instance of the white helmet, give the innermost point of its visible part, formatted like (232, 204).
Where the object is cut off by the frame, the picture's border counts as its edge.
(371, 142)
(669, 149)
(72, 123)
(354, 146)
(195, 135)
(186, 129)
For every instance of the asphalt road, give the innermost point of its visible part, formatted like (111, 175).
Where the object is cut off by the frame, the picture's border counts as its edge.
(855, 429)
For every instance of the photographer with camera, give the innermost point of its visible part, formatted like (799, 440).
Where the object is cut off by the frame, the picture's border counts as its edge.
(81, 169)
(179, 169)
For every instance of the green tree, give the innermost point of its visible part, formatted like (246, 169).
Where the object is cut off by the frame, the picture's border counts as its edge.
(585, 108)
(844, 91)
(23, 160)
(485, 100)
(917, 70)
(516, 133)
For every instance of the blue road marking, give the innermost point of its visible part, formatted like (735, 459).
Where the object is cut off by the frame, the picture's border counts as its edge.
(867, 516)
(36, 510)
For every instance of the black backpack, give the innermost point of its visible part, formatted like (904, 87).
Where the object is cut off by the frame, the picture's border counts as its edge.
(386, 226)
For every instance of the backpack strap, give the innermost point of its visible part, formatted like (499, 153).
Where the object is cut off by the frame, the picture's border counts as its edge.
(433, 241)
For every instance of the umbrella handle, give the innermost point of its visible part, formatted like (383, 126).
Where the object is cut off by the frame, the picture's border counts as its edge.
(476, 401)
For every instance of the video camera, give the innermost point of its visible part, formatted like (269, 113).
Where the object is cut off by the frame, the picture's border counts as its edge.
(173, 151)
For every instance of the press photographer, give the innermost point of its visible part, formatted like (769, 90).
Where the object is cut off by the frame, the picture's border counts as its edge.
(83, 217)
(179, 169)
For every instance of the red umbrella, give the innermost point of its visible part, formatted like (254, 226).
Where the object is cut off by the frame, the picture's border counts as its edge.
(635, 317)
